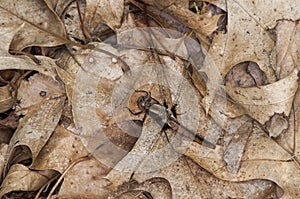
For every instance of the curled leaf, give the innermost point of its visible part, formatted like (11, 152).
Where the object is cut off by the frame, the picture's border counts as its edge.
(264, 101)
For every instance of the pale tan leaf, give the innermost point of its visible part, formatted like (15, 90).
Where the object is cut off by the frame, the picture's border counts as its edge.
(264, 101)
(85, 179)
(235, 149)
(185, 179)
(287, 47)
(38, 89)
(69, 80)
(6, 98)
(109, 12)
(276, 125)
(11, 23)
(47, 66)
(202, 24)
(27, 180)
(291, 139)
(19, 30)
(219, 3)
(267, 13)
(60, 5)
(154, 187)
(250, 40)
(62, 148)
(30, 23)
(43, 105)
(263, 159)
(3, 150)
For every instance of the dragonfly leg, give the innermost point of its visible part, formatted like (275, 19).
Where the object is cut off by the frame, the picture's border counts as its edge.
(166, 136)
(134, 113)
(138, 113)
(142, 91)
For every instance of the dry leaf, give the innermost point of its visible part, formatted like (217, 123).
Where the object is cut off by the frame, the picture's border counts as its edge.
(60, 5)
(62, 148)
(9, 27)
(263, 158)
(202, 24)
(6, 98)
(264, 101)
(287, 47)
(3, 150)
(250, 37)
(185, 179)
(27, 180)
(290, 139)
(42, 27)
(72, 21)
(109, 12)
(47, 66)
(276, 125)
(68, 79)
(151, 188)
(85, 180)
(219, 3)
(43, 100)
(235, 148)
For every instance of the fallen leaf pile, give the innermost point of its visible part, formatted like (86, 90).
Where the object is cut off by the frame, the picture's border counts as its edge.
(149, 99)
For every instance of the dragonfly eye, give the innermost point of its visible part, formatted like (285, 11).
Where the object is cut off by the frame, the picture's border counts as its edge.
(148, 105)
(141, 100)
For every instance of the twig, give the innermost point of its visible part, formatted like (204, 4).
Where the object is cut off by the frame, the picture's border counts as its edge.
(44, 186)
(65, 172)
(85, 32)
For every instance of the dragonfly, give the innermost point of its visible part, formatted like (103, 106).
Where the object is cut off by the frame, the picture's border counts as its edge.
(152, 107)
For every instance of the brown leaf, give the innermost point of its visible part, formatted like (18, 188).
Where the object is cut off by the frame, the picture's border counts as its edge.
(43, 102)
(68, 79)
(47, 66)
(62, 148)
(250, 38)
(154, 187)
(30, 23)
(19, 30)
(3, 150)
(85, 180)
(109, 12)
(7, 127)
(235, 149)
(287, 47)
(6, 98)
(219, 3)
(185, 179)
(262, 102)
(60, 6)
(250, 34)
(202, 24)
(263, 159)
(27, 180)
(276, 125)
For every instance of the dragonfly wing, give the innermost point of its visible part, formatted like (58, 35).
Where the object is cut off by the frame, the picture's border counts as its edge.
(159, 114)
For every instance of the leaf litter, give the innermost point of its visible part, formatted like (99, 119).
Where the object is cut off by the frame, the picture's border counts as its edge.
(251, 114)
